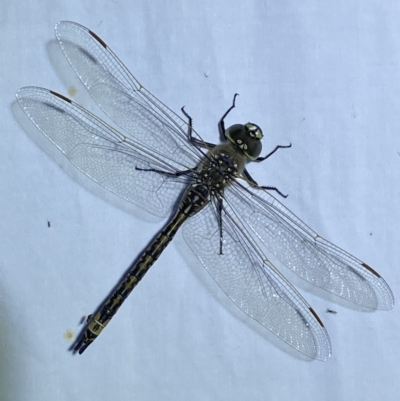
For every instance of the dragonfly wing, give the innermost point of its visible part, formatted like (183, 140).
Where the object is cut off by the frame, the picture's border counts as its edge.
(122, 97)
(103, 154)
(252, 282)
(307, 254)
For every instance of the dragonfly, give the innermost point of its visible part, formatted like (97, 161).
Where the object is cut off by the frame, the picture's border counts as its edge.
(157, 161)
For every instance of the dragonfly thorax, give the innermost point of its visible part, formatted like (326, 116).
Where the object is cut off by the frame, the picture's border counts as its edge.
(218, 171)
(247, 138)
(215, 174)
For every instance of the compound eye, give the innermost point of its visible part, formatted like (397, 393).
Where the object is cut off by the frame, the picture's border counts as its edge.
(247, 138)
(254, 130)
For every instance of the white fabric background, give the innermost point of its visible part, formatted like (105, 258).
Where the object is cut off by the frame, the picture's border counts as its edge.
(324, 76)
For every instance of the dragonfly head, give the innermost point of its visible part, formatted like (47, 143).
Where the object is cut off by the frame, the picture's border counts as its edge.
(246, 137)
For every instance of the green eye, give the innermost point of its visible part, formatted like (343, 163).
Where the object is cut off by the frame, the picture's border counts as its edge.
(247, 138)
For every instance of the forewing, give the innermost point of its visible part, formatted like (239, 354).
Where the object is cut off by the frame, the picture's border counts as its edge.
(305, 252)
(103, 154)
(252, 283)
(143, 117)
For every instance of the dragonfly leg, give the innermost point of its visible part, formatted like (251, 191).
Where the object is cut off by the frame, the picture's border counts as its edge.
(221, 128)
(273, 189)
(254, 183)
(260, 159)
(194, 141)
(220, 207)
(221, 124)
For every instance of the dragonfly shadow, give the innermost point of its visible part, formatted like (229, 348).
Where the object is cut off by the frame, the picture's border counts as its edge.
(10, 361)
(67, 75)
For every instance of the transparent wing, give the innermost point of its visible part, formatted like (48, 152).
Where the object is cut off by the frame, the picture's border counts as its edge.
(121, 96)
(306, 253)
(252, 282)
(103, 154)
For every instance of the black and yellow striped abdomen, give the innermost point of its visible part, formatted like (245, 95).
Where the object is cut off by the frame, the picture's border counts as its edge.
(194, 199)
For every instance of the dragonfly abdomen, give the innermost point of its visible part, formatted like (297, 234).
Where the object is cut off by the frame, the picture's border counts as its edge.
(194, 199)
